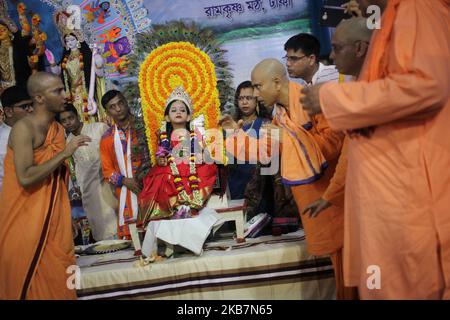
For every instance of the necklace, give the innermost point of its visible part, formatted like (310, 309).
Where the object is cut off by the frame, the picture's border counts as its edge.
(193, 181)
(251, 118)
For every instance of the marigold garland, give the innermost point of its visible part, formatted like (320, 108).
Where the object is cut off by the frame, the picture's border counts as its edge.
(165, 68)
(196, 201)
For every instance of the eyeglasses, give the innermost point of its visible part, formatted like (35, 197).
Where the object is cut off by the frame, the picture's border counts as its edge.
(24, 106)
(337, 47)
(293, 58)
(248, 98)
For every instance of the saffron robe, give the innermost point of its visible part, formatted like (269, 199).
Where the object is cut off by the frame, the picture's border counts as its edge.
(397, 195)
(36, 242)
(309, 154)
(324, 233)
(307, 166)
(335, 193)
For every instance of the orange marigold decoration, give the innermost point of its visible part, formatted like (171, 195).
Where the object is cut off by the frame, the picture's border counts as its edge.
(167, 67)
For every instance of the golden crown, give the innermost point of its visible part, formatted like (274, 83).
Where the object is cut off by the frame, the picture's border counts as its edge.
(180, 94)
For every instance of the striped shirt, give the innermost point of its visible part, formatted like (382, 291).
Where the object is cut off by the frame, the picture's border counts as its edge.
(325, 74)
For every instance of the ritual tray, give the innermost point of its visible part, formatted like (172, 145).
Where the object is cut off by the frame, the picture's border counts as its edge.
(107, 246)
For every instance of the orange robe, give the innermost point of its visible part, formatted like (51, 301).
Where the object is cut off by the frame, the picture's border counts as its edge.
(36, 242)
(335, 192)
(397, 196)
(324, 234)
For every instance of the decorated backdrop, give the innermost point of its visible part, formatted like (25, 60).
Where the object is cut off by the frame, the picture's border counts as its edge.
(248, 30)
(111, 24)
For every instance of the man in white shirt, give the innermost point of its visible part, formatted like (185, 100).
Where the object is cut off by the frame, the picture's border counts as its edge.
(16, 104)
(95, 193)
(302, 60)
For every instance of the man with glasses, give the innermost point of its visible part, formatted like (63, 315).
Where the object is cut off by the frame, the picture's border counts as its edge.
(87, 169)
(309, 153)
(350, 44)
(302, 60)
(16, 104)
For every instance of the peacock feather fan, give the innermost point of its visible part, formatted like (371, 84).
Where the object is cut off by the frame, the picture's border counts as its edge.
(173, 54)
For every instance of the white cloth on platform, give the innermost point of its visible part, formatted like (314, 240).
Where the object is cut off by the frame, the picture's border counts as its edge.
(126, 170)
(325, 74)
(188, 233)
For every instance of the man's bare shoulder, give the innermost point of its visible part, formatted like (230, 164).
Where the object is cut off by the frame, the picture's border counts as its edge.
(23, 129)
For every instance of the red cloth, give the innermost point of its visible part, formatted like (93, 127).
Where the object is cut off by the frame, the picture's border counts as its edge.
(159, 196)
(159, 184)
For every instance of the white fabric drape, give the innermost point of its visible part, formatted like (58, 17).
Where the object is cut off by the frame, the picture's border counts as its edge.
(128, 173)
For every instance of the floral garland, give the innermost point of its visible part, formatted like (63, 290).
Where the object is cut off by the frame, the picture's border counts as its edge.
(171, 65)
(66, 81)
(75, 192)
(193, 180)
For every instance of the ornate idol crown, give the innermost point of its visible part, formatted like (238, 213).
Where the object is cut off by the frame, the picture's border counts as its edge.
(179, 94)
(5, 19)
(61, 21)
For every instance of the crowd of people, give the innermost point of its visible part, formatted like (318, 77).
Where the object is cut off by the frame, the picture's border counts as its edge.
(362, 152)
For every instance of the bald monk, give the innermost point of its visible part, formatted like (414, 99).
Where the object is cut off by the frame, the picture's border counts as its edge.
(349, 47)
(350, 44)
(35, 225)
(309, 153)
(397, 231)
